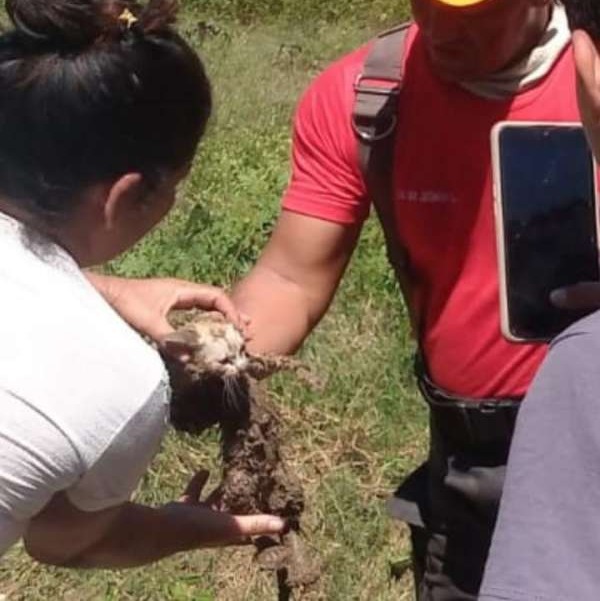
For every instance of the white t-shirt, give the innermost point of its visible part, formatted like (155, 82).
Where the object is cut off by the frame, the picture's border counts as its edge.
(83, 399)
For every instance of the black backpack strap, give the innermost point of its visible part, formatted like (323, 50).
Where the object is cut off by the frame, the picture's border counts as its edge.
(374, 121)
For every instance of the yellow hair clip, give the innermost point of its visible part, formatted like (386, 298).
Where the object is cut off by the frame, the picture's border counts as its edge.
(128, 18)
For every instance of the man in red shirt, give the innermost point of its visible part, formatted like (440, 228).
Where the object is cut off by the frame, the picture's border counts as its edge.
(468, 64)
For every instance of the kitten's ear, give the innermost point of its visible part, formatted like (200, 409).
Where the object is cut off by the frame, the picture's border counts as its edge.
(181, 339)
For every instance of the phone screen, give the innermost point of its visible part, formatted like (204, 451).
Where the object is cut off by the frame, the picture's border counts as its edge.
(548, 208)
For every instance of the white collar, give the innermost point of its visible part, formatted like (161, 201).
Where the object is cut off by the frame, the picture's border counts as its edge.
(534, 67)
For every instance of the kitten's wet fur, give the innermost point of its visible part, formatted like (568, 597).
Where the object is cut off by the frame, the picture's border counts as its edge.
(218, 386)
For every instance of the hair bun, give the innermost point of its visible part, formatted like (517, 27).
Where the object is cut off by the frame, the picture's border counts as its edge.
(71, 22)
(82, 22)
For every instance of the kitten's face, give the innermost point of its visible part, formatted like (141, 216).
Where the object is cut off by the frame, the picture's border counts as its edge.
(216, 346)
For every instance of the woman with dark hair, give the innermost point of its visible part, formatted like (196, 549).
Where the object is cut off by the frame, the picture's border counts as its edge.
(102, 105)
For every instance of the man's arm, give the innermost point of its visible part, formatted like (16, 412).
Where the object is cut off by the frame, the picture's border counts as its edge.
(133, 535)
(290, 288)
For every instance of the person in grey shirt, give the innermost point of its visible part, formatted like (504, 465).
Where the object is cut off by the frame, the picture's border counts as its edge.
(547, 541)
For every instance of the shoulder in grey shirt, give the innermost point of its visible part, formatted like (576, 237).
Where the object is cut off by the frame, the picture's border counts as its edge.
(547, 541)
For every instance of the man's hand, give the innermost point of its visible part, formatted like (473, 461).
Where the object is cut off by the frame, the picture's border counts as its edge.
(582, 296)
(145, 303)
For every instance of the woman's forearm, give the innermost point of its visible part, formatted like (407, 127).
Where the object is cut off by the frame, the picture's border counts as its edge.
(143, 535)
(135, 535)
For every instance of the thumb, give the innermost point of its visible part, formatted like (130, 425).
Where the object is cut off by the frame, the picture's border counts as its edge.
(585, 295)
(257, 525)
(193, 490)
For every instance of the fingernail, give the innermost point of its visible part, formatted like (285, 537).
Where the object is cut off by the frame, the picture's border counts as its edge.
(276, 524)
(559, 296)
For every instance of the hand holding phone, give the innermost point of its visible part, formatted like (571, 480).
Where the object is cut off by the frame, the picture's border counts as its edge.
(583, 296)
(546, 224)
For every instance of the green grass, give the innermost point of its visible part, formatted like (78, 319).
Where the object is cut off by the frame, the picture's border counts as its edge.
(350, 443)
(248, 11)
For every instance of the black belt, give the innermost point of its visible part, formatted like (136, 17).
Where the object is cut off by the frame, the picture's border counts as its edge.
(468, 422)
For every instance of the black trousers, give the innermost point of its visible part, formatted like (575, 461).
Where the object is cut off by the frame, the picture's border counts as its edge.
(451, 502)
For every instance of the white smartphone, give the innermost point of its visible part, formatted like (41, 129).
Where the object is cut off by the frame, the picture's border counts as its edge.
(545, 201)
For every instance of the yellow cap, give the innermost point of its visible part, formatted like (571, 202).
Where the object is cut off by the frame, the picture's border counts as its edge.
(461, 2)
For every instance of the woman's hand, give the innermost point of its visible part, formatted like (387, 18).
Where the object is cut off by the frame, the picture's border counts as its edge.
(133, 535)
(223, 528)
(145, 303)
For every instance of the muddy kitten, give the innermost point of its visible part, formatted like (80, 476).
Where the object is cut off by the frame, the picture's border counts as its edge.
(216, 386)
(217, 364)
(215, 346)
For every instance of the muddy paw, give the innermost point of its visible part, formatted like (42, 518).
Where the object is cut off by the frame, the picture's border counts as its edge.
(272, 556)
(304, 568)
